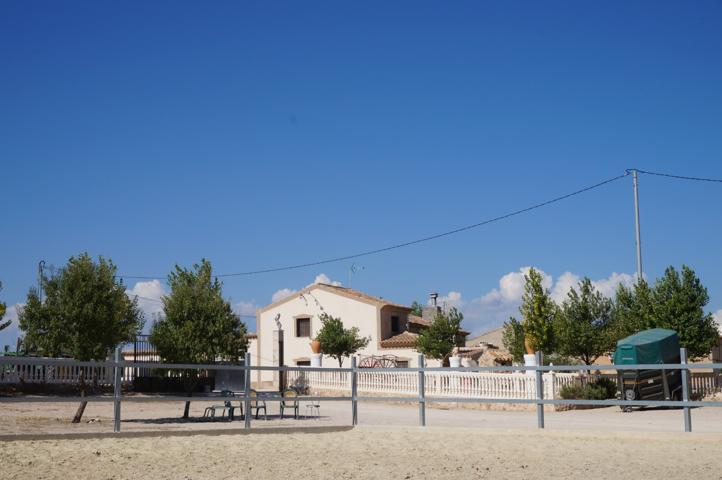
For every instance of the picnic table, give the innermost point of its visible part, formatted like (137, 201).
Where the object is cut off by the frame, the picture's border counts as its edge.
(257, 402)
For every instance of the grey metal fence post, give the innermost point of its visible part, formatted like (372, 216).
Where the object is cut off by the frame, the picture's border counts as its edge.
(539, 390)
(422, 392)
(685, 391)
(247, 391)
(354, 393)
(116, 390)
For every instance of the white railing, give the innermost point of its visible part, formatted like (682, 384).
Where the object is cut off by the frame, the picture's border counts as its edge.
(336, 381)
(55, 374)
(464, 384)
(438, 384)
(704, 384)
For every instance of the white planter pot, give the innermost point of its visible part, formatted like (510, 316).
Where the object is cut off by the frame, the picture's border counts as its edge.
(530, 361)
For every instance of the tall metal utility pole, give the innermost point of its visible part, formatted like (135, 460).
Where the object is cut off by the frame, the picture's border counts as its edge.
(41, 266)
(636, 221)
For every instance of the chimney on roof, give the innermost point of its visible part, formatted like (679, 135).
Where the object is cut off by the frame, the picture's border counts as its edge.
(429, 312)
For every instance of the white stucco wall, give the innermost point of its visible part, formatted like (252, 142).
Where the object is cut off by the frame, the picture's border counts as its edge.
(353, 313)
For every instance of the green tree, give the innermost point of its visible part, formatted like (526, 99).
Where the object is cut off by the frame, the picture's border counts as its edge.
(583, 328)
(417, 308)
(439, 339)
(675, 301)
(86, 314)
(678, 304)
(198, 325)
(538, 312)
(339, 342)
(513, 339)
(3, 309)
(633, 310)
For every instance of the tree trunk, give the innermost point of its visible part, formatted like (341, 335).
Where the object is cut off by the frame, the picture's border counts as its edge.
(81, 408)
(190, 381)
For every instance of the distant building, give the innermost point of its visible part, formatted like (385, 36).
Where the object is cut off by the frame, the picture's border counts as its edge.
(492, 337)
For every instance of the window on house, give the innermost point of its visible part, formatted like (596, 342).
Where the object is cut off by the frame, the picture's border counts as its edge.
(402, 364)
(303, 327)
(303, 363)
(395, 324)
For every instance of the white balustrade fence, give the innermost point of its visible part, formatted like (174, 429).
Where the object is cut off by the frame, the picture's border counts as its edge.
(58, 374)
(438, 384)
(335, 381)
(369, 380)
(463, 384)
(704, 384)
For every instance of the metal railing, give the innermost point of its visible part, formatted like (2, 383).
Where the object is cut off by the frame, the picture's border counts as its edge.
(354, 372)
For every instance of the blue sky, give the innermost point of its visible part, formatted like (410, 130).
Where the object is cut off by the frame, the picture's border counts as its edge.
(261, 135)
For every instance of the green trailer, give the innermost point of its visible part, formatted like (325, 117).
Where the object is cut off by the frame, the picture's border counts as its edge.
(657, 345)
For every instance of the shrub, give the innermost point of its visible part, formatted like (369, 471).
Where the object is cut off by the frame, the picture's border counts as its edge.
(608, 385)
(600, 389)
(557, 359)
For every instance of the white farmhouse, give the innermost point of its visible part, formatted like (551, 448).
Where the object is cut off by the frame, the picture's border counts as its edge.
(391, 327)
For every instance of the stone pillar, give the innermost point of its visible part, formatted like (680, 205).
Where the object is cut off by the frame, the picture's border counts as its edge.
(316, 359)
(277, 354)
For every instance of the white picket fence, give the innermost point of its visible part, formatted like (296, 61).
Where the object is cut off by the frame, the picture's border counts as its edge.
(704, 383)
(462, 384)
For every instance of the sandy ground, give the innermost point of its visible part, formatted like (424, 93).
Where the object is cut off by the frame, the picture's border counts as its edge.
(372, 453)
(40, 418)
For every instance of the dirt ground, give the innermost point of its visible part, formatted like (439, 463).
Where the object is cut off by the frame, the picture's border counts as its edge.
(371, 453)
(54, 418)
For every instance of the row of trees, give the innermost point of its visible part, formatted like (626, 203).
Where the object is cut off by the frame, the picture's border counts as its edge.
(587, 325)
(86, 313)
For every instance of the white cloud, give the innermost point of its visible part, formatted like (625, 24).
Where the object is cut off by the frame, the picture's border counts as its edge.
(451, 299)
(493, 308)
(564, 283)
(511, 287)
(149, 299)
(245, 308)
(718, 318)
(281, 294)
(10, 335)
(608, 286)
(323, 278)
(287, 292)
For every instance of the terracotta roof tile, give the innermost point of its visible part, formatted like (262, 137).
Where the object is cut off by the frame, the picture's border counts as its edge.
(402, 340)
(364, 296)
(418, 320)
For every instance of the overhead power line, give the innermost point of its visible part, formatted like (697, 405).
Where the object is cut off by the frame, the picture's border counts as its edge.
(680, 177)
(412, 242)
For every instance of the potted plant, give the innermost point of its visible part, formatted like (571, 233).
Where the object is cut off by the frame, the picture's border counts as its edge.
(528, 345)
(315, 345)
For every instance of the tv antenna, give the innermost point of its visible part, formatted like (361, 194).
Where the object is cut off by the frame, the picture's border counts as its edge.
(353, 270)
